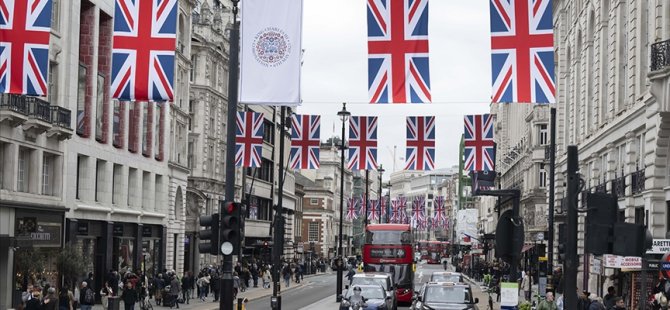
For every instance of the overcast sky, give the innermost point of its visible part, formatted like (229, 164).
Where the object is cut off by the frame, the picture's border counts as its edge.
(335, 71)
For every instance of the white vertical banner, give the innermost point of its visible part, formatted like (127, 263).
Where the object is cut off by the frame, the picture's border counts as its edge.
(271, 48)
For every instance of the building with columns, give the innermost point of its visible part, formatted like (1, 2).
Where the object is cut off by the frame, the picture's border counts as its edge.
(613, 78)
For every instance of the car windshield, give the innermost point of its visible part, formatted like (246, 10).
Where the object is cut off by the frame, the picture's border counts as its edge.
(370, 281)
(447, 294)
(436, 277)
(402, 274)
(369, 292)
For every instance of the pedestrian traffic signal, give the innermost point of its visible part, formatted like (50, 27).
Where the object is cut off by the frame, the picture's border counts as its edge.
(231, 234)
(210, 223)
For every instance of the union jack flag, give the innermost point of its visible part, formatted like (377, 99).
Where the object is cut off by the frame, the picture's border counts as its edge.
(398, 51)
(383, 204)
(305, 141)
(479, 151)
(249, 139)
(351, 208)
(24, 46)
(522, 51)
(363, 142)
(438, 209)
(394, 216)
(418, 209)
(420, 143)
(373, 215)
(143, 51)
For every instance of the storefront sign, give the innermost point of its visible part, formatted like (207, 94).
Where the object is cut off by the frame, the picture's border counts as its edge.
(146, 231)
(596, 266)
(622, 262)
(82, 229)
(45, 235)
(117, 230)
(660, 246)
(509, 294)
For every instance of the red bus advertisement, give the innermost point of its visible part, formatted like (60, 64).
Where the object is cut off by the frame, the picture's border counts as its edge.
(388, 248)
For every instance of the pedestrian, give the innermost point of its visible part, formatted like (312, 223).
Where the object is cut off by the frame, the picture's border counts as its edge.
(236, 284)
(129, 296)
(65, 299)
(596, 303)
(86, 297)
(583, 301)
(202, 283)
(159, 284)
(266, 279)
(214, 284)
(619, 304)
(254, 274)
(548, 303)
(350, 275)
(286, 274)
(186, 286)
(608, 300)
(34, 302)
(106, 292)
(51, 300)
(90, 282)
(174, 291)
(526, 284)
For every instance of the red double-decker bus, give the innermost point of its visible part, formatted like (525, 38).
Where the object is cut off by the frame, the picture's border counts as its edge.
(433, 251)
(388, 248)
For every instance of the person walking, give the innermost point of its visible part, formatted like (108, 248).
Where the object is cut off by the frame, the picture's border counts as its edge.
(186, 286)
(266, 279)
(65, 299)
(526, 285)
(34, 302)
(86, 297)
(214, 284)
(174, 291)
(51, 300)
(608, 300)
(129, 296)
(286, 274)
(619, 304)
(254, 274)
(236, 284)
(596, 303)
(548, 303)
(106, 292)
(202, 283)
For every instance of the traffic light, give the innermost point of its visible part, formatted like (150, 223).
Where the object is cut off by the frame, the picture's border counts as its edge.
(211, 233)
(231, 232)
(600, 219)
(631, 239)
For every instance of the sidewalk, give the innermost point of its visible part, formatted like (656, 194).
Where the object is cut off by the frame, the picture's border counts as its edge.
(252, 293)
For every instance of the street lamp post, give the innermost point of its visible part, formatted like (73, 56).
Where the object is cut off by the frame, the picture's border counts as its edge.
(379, 196)
(344, 116)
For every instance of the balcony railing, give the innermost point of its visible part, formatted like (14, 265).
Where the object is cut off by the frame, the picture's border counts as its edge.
(61, 116)
(39, 109)
(637, 181)
(619, 186)
(660, 55)
(14, 103)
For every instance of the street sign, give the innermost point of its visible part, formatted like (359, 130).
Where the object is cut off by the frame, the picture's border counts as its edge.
(665, 265)
(596, 266)
(660, 246)
(509, 294)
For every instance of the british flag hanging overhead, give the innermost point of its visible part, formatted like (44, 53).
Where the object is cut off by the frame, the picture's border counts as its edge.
(439, 218)
(398, 51)
(249, 139)
(143, 49)
(383, 205)
(522, 51)
(479, 149)
(25, 28)
(373, 214)
(352, 213)
(394, 217)
(305, 141)
(418, 209)
(363, 142)
(420, 150)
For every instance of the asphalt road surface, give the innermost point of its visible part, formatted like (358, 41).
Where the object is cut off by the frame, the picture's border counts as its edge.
(319, 292)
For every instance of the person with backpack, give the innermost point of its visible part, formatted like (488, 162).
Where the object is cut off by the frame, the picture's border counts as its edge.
(86, 297)
(65, 299)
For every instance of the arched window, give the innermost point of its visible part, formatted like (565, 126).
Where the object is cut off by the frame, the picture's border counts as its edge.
(622, 56)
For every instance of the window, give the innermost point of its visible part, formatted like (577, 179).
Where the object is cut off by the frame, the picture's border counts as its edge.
(266, 170)
(191, 156)
(640, 155)
(313, 233)
(117, 134)
(639, 216)
(55, 15)
(603, 166)
(157, 127)
(212, 119)
(543, 176)
(313, 201)
(2, 164)
(81, 101)
(268, 132)
(99, 176)
(621, 160)
(117, 173)
(146, 148)
(544, 134)
(52, 94)
(23, 179)
(99, 106)
(210, 157)
(47, 174)
(80, 162)
(132, 186)
(215, 69)
(194, 66)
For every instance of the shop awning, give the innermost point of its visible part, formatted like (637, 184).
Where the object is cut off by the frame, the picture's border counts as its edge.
(527, 247)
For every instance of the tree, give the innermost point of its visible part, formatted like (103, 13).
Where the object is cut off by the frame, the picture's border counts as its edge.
(72, 263)
(29, 262)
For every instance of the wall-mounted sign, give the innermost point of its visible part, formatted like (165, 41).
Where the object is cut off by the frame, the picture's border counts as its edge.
(660, 246)
(44, 235)
(82, 228)
(146, 231)
(117, 230)
(622, 262)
